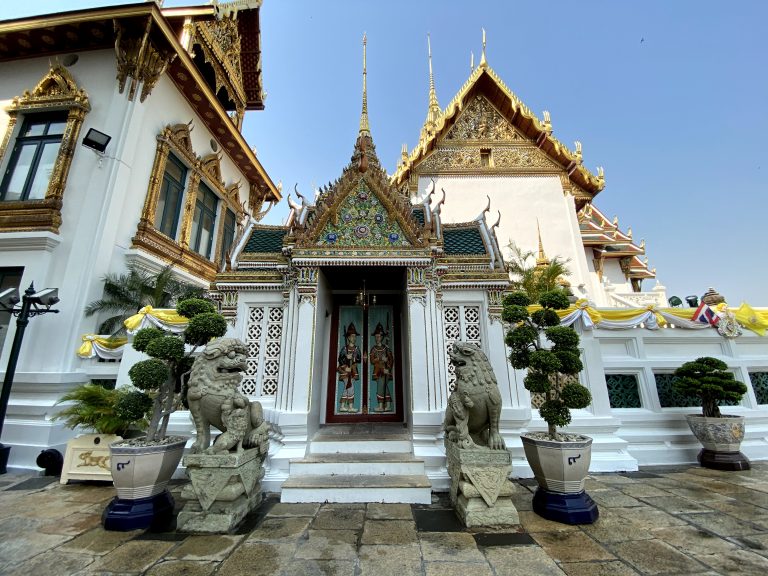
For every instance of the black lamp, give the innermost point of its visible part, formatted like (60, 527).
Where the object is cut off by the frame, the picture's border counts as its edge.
(96, 140)
(675, 301)
(693, 301)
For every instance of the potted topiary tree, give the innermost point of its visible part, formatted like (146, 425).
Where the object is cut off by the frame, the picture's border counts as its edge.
(142, 467)
(111, 414)
(550, 353)
(721, 435)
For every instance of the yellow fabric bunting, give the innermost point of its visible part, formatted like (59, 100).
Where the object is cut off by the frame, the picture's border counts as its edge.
(102, 346)
(164, 318)
(755, 320)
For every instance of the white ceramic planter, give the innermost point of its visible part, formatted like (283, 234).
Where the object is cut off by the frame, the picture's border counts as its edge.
(144, 471)
(717, 434)
(559, 466)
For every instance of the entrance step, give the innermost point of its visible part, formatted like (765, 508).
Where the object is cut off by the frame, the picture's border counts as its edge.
(412, 489)
(387, 463)
(358, 463)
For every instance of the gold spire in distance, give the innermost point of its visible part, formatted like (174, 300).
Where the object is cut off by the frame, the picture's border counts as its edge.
(483, 61)
(364, 127)
(433, 112)
(541, 259)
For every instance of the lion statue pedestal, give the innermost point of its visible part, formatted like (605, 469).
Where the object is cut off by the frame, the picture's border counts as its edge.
(478, 461)
(225, 477)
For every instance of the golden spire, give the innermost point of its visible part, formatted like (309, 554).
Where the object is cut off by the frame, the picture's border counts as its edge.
(483, 62)
(434, 107)
(404, 154)
(364, 128)
(541, 259)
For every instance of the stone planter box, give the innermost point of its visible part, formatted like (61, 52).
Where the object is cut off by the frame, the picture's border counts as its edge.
(721, 439)
(87, 458)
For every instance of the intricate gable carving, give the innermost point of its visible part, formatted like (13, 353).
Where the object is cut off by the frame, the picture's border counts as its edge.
(505, 159)
(180, 135)
(481, 121)
(211, 166)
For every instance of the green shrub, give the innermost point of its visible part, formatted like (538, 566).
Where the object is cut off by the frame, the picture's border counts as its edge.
(709, 379)
(205, 326)
(168, 348)
(194, 306)
(103, 410)
(149, 374)
(144, 336)
(527, 337)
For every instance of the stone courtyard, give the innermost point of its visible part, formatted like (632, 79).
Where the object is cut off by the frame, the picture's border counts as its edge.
(681, 520)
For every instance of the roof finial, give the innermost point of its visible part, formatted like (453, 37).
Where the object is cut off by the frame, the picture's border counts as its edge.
(433, 113)
(364, 127)
(483, 62)
(541, 259)
(471, 62)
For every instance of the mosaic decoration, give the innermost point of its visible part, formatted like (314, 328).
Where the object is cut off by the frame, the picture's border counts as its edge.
(623, 391)
(263, 335)
(671, 398)
(760, 386)
(362, 220)
(460, 323)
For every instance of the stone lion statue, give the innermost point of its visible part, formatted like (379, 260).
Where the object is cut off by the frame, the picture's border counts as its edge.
(474, 408)
(214, 399)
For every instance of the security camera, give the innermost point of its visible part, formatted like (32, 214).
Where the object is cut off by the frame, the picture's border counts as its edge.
(9, 298)
(47, 297)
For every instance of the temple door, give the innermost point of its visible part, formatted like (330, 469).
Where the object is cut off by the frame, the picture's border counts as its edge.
(364, 379)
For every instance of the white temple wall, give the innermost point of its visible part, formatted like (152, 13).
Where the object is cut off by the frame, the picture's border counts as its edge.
(522, 200)
(660, 435)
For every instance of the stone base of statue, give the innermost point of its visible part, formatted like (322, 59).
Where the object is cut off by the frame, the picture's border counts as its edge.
(481, 492)
(224, 488)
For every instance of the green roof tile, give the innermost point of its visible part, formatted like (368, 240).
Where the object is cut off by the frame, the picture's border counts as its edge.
(266, 240)
(463, 241)
(418, 215)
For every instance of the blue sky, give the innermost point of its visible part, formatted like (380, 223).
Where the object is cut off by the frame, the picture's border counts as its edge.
(669, 97)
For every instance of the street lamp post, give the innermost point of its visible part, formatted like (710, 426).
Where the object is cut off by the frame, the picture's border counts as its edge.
(32, 304)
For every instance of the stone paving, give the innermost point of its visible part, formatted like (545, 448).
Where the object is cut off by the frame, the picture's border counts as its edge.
(682, 520)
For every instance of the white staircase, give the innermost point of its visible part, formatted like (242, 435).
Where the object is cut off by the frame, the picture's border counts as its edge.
(358, 463)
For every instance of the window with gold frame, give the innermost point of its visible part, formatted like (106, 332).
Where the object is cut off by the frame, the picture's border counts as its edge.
(201, 173)
(56, 97)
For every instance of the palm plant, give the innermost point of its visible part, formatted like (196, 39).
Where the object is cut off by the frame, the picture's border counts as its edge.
(126, 294)
(533, 275)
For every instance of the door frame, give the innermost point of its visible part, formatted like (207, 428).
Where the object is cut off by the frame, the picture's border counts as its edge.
(331, 382)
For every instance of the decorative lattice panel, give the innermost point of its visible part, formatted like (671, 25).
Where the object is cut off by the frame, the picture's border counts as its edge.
(538, 399)
(760, 386)
(623, 391)
(460, 323)
(671, 398)
(263, 334)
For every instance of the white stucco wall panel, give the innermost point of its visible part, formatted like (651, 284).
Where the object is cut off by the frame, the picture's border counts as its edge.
(522, 200)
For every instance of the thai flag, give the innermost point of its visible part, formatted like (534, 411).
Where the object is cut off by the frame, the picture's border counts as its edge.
(706, 315)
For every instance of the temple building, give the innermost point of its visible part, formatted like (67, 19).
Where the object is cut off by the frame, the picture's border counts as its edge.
(349, 307)
(120, 143)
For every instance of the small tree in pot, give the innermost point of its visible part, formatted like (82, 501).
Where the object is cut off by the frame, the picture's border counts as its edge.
(550, 353)
(709, 379)
(141, 468)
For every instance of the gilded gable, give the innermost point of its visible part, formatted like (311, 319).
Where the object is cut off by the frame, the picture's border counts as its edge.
(481, 121)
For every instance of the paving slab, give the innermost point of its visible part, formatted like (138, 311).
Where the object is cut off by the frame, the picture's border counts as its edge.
(19, 547)
(571, 546)
(402, 532)
(258, 559)
(723, 525)
(609, 568)
(339, 519)
(285, 509)
(692, 540)
(378, 511)
(674, 504)
(656, 557)
(532, 522)
(319, 568)
(390, 560)
(280, 529)
(135, 556)
(449, 546)
(212, 547)
(521, 561)
(328, 545)
(51, 563)
(741, 562)
(182, 568)
(456, 569)
(98, 541)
